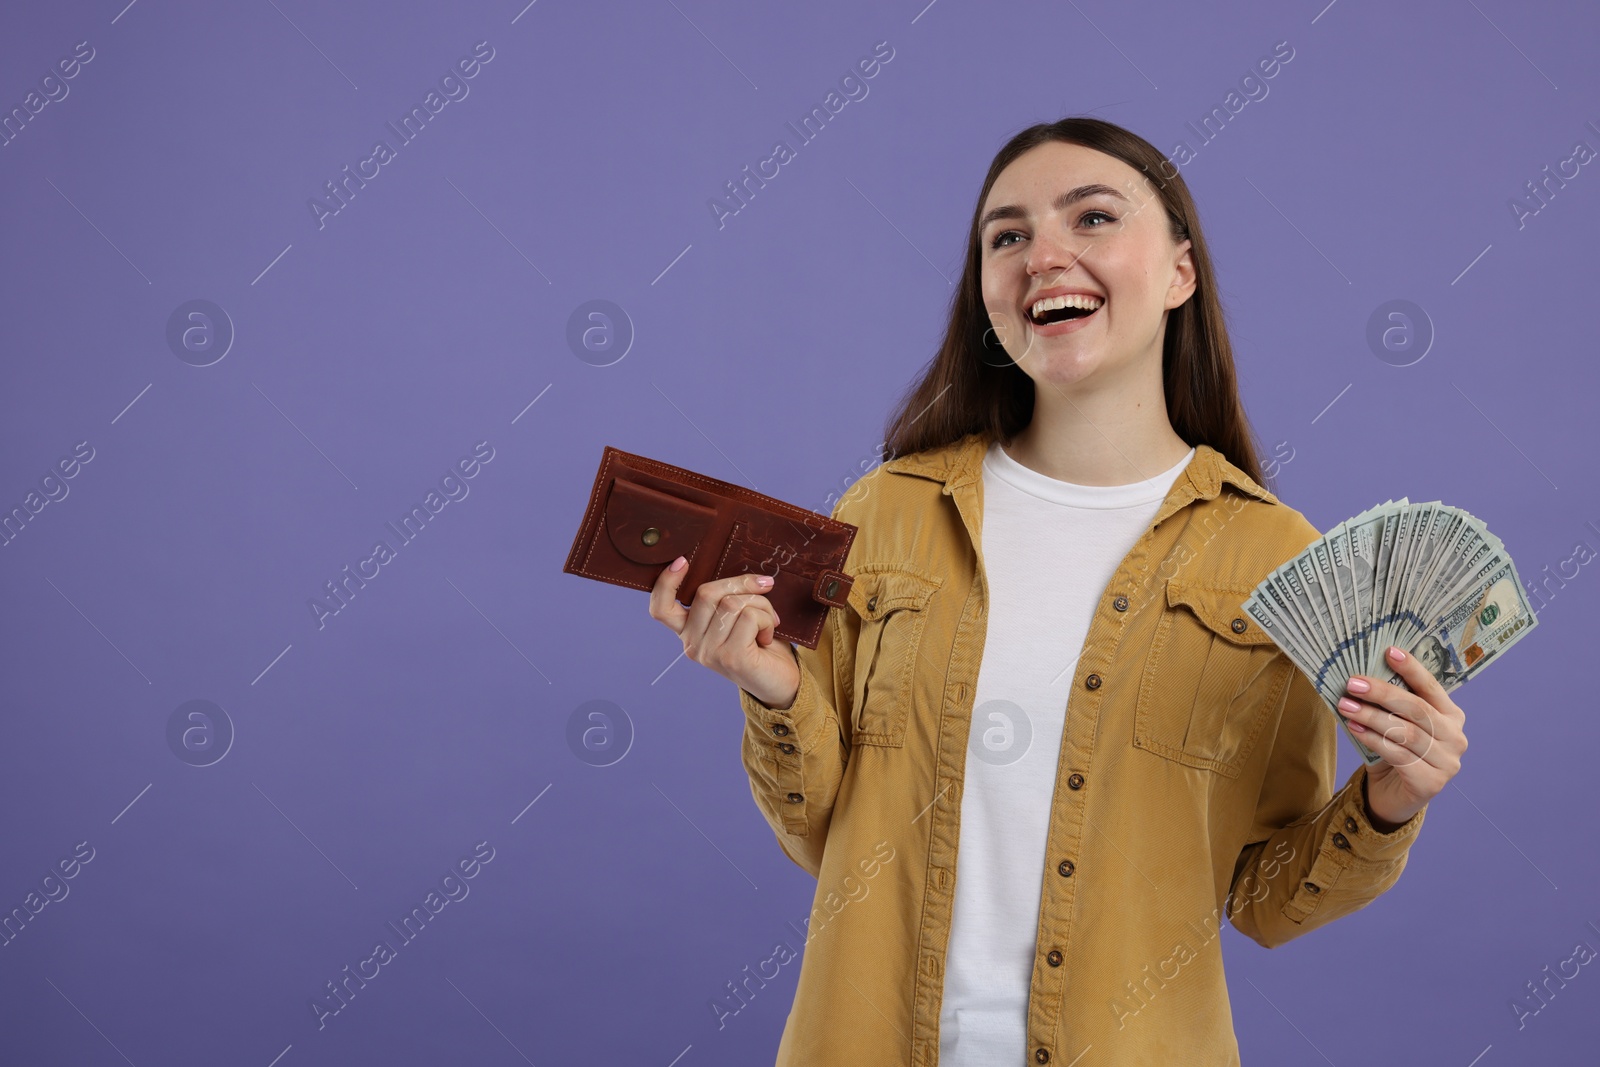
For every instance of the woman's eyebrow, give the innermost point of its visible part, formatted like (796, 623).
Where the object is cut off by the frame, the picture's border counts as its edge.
(1061, 203)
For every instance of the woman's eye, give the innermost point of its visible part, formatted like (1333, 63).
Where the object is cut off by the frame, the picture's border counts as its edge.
(999, 239)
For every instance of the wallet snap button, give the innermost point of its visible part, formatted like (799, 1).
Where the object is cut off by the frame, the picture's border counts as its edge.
(833, 589)
(650, 536)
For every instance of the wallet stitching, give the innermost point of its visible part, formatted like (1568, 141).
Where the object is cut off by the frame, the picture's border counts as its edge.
(723, 562)
(594, 543)
(662, 470)
(594, 537)
(589, 524)
(816, 629)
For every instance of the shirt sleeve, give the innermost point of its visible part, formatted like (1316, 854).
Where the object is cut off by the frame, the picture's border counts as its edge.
(796, 757)
(1313, 854)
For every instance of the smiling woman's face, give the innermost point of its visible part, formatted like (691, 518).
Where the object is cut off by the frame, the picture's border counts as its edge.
(1062, 218)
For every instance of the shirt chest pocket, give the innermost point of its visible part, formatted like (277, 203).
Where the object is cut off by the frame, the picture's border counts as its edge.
(892, 603)
(1211, 681)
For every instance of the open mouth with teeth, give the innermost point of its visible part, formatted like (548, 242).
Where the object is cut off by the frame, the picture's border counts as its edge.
(1063, 308)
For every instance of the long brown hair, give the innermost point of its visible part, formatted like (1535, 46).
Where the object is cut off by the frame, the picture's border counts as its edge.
(967, 389)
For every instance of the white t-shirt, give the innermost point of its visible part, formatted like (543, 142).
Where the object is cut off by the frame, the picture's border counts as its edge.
(1049, 549)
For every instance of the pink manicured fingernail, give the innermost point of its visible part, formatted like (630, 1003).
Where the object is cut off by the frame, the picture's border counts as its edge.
(678, 564)
(1346, 704)
(1358, 685)
(1397, 654)
(764, 580)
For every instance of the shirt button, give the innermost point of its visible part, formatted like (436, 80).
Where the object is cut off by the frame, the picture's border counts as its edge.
(795, 798)
(1121, 603)
(1312, 887)
(872, 605)
(1054, 959)
(1041, 1055)
(1350, 824)
(1239, 626)
(1093, 681)
(785, 747)
(780, 729)
(1075, 781)
(1066, 868)
(1341, 840)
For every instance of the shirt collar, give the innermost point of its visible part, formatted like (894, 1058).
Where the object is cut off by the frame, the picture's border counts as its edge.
(960, 463)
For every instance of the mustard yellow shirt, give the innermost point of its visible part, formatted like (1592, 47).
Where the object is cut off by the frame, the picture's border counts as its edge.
(1196, 780)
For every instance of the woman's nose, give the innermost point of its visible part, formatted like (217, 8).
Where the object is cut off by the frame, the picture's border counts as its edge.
(1050, 252)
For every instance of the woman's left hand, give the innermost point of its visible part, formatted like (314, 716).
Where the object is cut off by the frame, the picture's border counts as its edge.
(1419, 734)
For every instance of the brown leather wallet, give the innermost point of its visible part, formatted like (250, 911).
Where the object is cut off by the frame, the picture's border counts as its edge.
(644, 513)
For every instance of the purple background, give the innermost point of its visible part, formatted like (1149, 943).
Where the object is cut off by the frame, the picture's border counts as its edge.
(374, 352)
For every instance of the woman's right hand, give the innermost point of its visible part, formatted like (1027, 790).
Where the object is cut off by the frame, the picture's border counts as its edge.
(730, 627)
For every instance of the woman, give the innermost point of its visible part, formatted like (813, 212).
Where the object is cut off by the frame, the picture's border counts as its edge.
(1044, 754)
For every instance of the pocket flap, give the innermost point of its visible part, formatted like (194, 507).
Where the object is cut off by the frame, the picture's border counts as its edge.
(876, 593)
(1221, 609)
(649, 526)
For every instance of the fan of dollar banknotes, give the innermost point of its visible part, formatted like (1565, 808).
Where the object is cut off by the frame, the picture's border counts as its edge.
(1429, 578)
